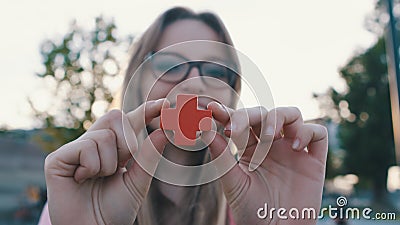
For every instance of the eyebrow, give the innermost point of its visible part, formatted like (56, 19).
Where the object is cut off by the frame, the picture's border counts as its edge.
(210, 58)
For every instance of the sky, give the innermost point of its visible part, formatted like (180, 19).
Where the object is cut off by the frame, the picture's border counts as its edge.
(299, 46)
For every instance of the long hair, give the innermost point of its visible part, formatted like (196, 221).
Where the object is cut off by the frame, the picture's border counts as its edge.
(204, 204)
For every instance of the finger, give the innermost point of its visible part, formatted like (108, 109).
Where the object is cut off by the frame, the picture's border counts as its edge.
(78, 159)
(107, 148)
(244, 136)
(260, 151)
(253, 116)
(315, 137)
(145, 113)
(118, 122)
(240, 122)
(266, 133)
(146, 161)
(234, 178)
(220, 112)
(281, 117)
(239, 128)
(223, 114)
(286, 119)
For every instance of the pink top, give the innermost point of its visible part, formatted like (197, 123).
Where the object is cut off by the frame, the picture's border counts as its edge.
(45, 217)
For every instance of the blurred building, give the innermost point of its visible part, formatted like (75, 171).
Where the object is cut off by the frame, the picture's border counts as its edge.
(22, 183)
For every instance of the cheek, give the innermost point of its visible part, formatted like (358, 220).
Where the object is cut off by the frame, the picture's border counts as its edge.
(223, 96)
(153, 90)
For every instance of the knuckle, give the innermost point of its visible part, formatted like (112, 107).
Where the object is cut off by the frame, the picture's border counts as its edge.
(237, 115)
(114, 115)
(263, 111)
(318, 129)
(274, 111)
(114, 167)
(48, 161)
(273, 116)
(109, 135)
(323, 129)
(89, 144)
(94, 167)
(84, 142)
(240, 121)
(109, 170)
(296, 110)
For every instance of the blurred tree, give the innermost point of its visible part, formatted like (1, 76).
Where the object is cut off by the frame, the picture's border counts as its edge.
(333, 164)
(364, 116)
(363, 111)
(82, 72)
(376, 20)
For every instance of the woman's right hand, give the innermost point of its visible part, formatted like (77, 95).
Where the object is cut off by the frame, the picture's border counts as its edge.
(87, 181)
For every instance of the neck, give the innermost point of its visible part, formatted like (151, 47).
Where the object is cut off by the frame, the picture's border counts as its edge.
(182, 157)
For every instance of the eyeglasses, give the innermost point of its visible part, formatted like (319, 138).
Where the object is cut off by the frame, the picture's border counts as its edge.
(174, 68)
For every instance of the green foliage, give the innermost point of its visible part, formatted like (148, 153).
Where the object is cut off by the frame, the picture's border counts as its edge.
(332, 170)
(82, 72)
(377, 19)
(364, 115)
(370, 135)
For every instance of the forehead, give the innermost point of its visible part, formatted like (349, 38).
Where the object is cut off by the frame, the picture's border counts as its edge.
(190, 30)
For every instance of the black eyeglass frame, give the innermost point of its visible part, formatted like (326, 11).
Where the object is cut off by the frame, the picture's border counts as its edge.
(232, 75)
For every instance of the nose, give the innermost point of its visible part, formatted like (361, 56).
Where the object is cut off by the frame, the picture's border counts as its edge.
(193, 83)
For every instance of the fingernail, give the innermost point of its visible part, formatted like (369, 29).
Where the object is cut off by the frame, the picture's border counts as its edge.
(159, 100)
(227, 132)
(269, 131)
(252, 167)
(296, 144)
(220, 105)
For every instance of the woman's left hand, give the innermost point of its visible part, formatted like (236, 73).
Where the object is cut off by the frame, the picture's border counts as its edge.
(289, 179)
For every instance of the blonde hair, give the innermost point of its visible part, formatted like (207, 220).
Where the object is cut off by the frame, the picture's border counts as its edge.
(203, 204)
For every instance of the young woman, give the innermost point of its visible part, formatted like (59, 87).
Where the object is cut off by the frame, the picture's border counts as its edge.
(90, 182)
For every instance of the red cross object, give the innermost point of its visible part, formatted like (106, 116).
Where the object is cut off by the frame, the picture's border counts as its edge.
(185, 120)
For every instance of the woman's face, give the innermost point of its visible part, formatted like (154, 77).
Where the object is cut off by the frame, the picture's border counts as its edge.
(181, 31)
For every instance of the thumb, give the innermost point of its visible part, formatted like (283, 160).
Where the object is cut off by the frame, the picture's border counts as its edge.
(145, 113)
(226, 164)
(146, 160)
